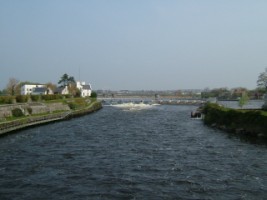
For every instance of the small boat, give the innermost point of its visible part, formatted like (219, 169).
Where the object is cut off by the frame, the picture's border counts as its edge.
(196, 115)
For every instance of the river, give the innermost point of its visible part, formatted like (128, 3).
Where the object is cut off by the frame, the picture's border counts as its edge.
(131, 152)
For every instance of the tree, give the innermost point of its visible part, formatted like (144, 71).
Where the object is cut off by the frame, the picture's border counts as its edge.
(66, 80)
(13, 87)
(94, 95)
(243, 99)
(262, 79)
(74, 90)
(51, 86)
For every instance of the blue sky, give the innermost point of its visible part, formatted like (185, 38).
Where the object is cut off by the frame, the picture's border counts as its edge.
(134, 44)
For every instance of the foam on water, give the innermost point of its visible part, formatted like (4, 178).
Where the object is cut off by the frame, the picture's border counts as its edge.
(134, 106)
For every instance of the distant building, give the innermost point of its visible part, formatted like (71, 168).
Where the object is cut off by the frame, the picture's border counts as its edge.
(41, 91)
(28, 89)
(85, 89)
(62, 90)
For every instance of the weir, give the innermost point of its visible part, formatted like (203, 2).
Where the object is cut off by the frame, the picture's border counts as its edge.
(110, 101)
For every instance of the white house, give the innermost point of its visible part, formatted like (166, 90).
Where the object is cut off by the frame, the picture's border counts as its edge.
(28, 88)
(62, 90)
(85, 89)
(41, 91)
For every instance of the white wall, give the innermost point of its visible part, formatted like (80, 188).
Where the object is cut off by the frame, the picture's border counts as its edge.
(27, 89)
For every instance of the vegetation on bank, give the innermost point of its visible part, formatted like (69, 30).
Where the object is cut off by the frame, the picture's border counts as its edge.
(73, 103)
(38, 98)
(251, 122)
(19, 120)
(32, 98)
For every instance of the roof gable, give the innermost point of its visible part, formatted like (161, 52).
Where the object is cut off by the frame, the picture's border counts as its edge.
(86, 87)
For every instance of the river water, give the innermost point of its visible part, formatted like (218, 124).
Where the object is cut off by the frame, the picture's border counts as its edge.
(131, 152)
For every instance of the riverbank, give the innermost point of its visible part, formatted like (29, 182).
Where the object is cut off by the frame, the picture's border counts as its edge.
(30, 121)
(244, 122)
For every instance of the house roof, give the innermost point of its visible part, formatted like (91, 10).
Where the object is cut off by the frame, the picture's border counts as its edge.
(86, 87)
(32, 84)
(59, 89)
(40, 90)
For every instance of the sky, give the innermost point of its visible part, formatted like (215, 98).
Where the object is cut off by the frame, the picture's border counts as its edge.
(134, 44)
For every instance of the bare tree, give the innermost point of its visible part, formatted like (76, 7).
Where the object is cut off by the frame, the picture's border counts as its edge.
(51, 86)
(262, 79)
(13, 87)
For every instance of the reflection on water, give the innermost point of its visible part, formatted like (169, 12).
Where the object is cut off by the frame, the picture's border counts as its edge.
(155, 153)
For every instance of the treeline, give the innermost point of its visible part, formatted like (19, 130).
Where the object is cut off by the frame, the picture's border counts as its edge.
(31, 98)
(232, 94)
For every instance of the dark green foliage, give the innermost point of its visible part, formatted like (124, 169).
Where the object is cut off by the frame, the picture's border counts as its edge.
(252, 121)
(66, 96)
(65, 80)
(6, 99)
(21, 98)
(35, 98)
(94, 95)
(72, 105)
(51, 97)
(78, 93)
(264, 107)
(17, 112)
(29, 109)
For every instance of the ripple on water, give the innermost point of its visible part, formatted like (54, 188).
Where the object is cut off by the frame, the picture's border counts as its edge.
(157, 153)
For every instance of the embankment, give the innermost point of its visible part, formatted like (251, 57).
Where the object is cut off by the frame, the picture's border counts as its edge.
(245, 122)
(29, 121)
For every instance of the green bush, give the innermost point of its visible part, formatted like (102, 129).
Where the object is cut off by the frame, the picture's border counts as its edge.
(48, 97)
(72, 105)
(17, 112)
(250, 120)
(6, 99)
(29, 109)
(21, 98)
(52, 97)
(67, 96)
(94, 95)
(35, 98)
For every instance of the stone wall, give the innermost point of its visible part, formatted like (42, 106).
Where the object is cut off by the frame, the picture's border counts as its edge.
(21, 123)
(36, 108)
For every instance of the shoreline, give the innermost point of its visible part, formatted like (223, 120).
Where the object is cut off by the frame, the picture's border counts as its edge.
(241, 122)
(31, 121)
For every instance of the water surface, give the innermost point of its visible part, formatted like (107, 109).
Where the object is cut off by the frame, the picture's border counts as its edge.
(151, 152)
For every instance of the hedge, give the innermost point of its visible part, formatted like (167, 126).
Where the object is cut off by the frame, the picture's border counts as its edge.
(6, 99)
(22, 98)
(251, 121)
